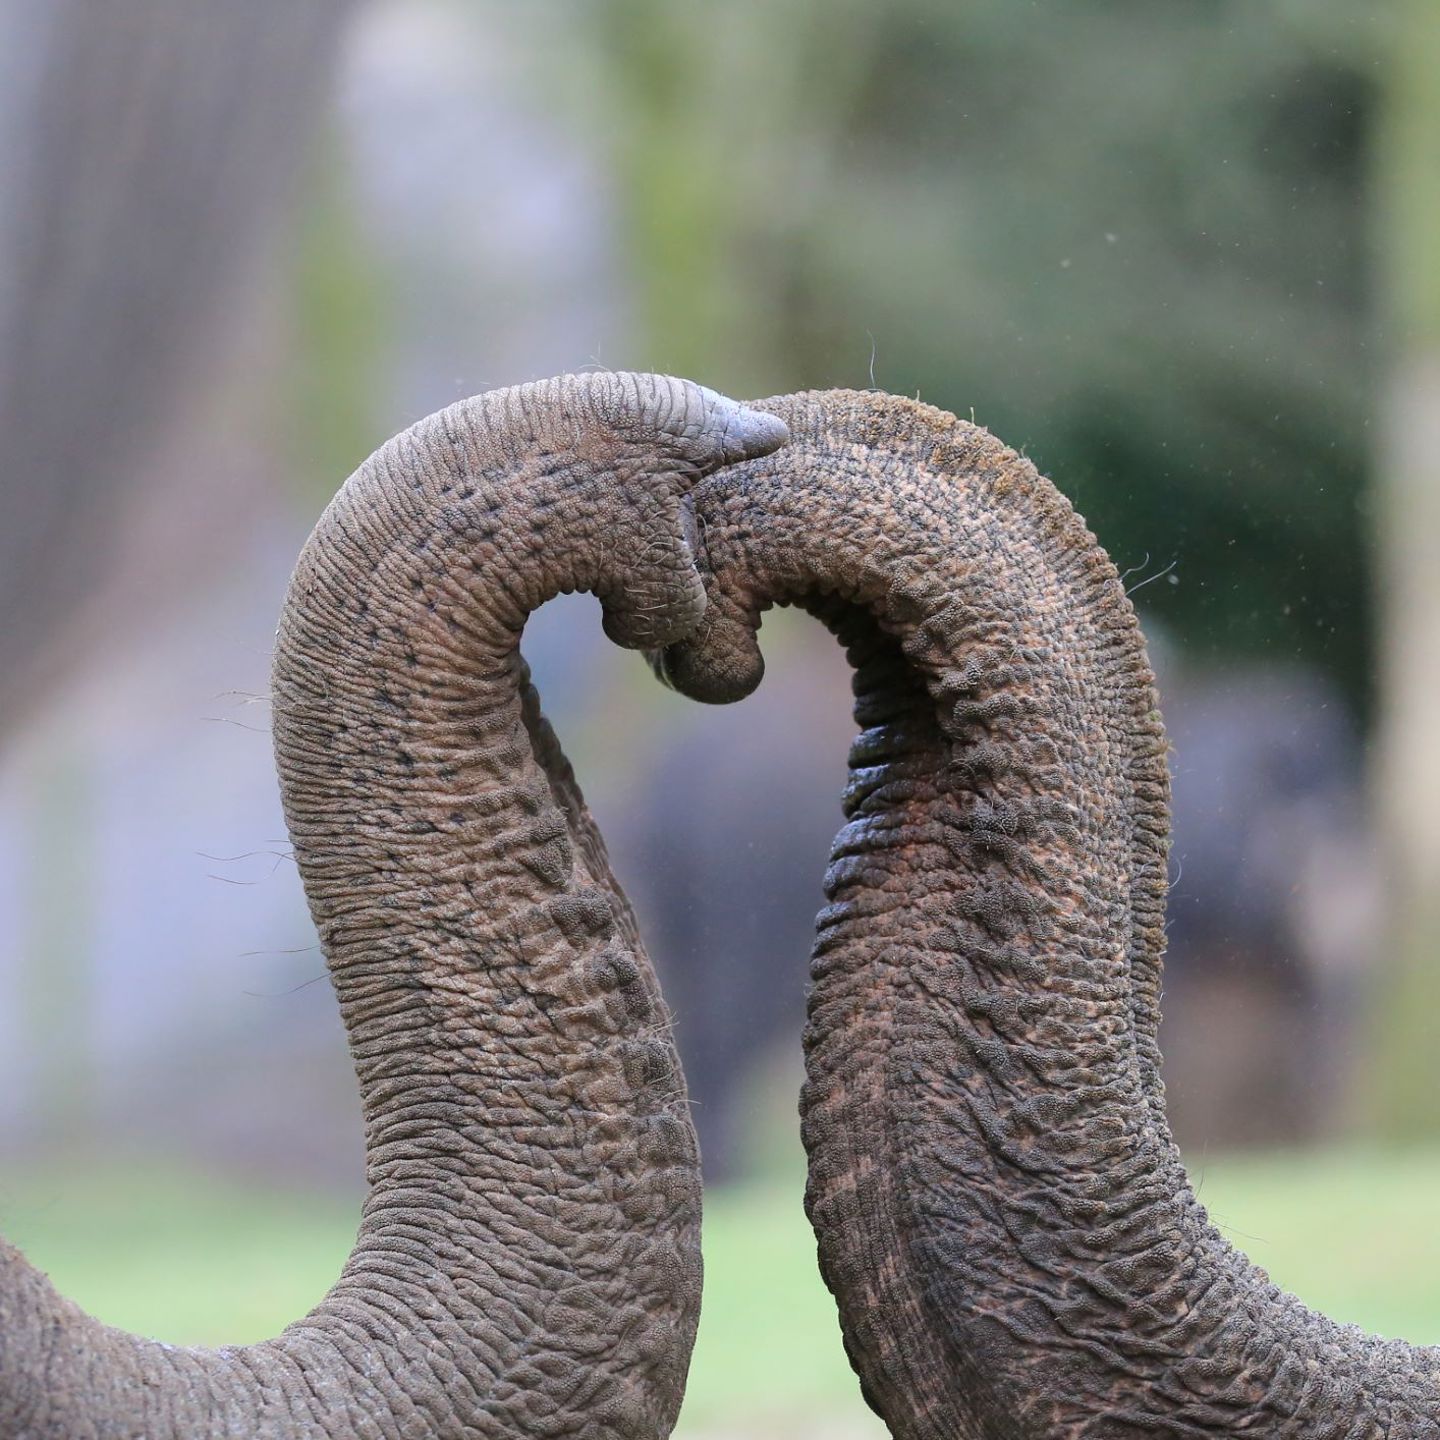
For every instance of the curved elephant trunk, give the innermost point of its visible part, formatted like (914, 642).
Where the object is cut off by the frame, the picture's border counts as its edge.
(1001, 1211)
(528, 1260)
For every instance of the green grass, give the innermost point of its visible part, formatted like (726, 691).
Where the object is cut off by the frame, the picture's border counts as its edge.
(178, 1255)
(198, 1260)
(1351, 1232)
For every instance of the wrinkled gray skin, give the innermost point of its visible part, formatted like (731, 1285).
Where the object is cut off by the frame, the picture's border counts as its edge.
(1001, 1210)
(528, 1258)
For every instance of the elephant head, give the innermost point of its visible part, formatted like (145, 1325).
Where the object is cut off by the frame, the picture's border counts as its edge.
(528, 1257)
(1001, 1210)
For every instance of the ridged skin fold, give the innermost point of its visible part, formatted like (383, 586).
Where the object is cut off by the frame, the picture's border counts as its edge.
(1000, 1208)
(528, 1259)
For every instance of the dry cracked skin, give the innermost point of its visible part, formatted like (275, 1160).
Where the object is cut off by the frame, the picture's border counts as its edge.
(1000, 1209)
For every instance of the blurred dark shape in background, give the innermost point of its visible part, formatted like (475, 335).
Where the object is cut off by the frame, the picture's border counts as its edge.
(1135, 241)
(726, 836)
(1273, 906)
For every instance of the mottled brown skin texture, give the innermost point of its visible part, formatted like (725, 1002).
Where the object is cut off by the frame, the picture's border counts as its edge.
(1001, 1211)
(528, 1258)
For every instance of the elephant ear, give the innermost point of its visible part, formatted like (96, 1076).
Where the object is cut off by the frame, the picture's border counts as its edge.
(528, 1258)
(1001, 1210)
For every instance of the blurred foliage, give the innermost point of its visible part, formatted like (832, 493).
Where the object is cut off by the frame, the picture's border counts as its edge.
(1125, 237)
(1405, 1072)
(195, 1260)
(339, 328)
(1407, 183)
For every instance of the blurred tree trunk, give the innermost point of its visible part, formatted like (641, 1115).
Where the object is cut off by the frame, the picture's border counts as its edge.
(1406, 1067)
(147, 149)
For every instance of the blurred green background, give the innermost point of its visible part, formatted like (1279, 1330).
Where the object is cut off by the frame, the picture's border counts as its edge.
(1185, 257)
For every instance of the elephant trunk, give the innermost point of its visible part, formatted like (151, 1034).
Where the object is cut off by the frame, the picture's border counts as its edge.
(1001, 1210)
(528, 1257)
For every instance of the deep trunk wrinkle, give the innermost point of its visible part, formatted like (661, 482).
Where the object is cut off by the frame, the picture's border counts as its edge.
(528, 1261)
(1001, 1210)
